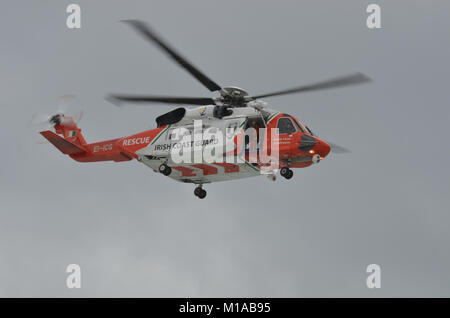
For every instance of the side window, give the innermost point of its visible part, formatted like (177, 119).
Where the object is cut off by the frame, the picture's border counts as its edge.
(285, 126)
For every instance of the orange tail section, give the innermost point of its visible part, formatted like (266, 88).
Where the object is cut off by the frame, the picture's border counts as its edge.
(65, 146)
(72, 143)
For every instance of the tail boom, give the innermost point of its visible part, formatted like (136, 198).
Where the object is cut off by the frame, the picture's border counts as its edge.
(72, 143)
(108, 150)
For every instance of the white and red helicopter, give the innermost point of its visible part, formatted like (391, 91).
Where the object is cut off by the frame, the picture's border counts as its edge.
(296, 145)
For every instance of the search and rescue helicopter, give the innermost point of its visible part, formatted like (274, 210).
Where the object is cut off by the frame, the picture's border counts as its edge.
(297, 145)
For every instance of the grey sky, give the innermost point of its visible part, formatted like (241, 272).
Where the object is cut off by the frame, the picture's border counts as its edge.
(137, 233)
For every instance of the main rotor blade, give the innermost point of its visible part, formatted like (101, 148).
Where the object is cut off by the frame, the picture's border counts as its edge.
(146, 32)
(357, 78)
(338, 149)
(118, 99)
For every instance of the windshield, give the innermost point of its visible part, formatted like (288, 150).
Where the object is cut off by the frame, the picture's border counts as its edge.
(285, 126)
(299, 125)
(302, 127)
(309, 130)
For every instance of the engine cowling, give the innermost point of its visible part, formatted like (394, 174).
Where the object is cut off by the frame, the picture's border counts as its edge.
(189, 114)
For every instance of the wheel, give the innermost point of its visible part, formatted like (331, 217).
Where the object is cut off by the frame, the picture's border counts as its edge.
(168, 171)
(197, 191)
(165, 169)
(315, 158)
(289, 175)
(284, 171)
(202, 194)
(162, 168)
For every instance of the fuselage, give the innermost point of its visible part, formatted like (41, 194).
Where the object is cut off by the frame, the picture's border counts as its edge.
(255, 142)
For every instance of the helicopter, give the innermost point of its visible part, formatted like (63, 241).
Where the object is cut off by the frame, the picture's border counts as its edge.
(288, 142)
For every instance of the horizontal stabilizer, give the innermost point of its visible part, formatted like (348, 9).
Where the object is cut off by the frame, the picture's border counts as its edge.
(65, 146)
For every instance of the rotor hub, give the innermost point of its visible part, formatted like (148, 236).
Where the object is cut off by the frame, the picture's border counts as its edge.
(234, 96)
(55, 119)
(230, 96)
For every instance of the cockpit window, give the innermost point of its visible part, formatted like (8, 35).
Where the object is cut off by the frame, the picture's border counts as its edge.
(285, 126)
(309, 130)
(299, 126)
(302, 127)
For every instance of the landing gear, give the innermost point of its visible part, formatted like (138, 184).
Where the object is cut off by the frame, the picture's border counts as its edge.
(290, 174)
(200, 192)
(165, 169)
(315, 158)
(286, 172)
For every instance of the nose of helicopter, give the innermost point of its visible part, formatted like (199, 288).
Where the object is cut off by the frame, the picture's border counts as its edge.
(314, 146)
(322, 148)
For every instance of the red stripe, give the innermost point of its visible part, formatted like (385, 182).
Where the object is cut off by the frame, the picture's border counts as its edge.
(229, 167)
(185, 171)
(207, 170)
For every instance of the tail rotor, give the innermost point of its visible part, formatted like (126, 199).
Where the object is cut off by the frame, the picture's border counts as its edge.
(60, 118)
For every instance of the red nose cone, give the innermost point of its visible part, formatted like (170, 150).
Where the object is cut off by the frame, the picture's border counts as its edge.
(322, 148)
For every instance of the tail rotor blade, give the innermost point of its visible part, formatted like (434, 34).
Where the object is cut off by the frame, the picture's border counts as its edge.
(80, 116)
(50, 120)
(38, 119)
(64, 103)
